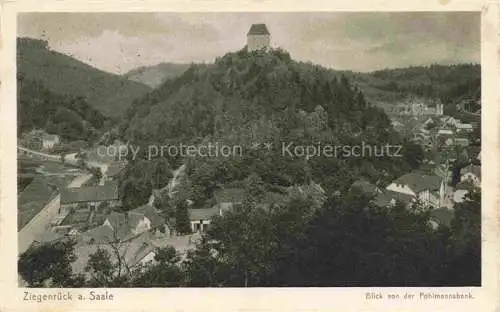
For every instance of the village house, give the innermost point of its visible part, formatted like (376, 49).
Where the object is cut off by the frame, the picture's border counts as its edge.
(200, 219)
(225, 199)
(90, 196)
(50, 140)
(120, 226)
(258, 37)
(429, 189)
(472, 174)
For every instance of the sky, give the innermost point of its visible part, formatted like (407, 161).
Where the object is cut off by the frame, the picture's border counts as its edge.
(119, 42)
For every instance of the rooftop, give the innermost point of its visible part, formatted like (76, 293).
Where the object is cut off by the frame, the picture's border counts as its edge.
(418, 182)
(89, 193)
(203, 214)
(258, 29)
(150, 212)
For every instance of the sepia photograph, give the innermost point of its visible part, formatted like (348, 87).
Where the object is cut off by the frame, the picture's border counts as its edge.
(249, 149)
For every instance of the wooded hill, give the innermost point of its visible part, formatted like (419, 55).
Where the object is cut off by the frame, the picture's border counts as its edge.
(72, 118)
(449, 83)
(110, 94)
(248, 98)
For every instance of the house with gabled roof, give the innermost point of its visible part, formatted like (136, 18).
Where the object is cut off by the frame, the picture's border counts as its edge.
(122, 226)
(258, 37)
(429, 189)
(91, 196)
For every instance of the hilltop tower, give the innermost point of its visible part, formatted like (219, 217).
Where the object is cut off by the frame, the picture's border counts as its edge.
(258, 37)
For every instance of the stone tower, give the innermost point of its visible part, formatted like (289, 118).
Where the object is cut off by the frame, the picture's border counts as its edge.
(258, 37)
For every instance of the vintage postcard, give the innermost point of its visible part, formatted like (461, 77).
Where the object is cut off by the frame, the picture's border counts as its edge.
(167, 156)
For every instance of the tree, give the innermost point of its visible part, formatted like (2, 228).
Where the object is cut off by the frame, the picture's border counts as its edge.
(254, 189)
(203, 267)
(463, 266)
(101, 268)
(134, 193)
(182, 224)
(97, 172)
(164, 272)
(243, 240)
(413, 154)
(49, 264)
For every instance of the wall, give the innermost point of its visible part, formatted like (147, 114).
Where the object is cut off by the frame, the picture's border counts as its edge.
(203, 224)
(257, 42)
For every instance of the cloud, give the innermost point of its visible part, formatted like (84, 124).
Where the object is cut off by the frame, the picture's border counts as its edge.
(118, 42)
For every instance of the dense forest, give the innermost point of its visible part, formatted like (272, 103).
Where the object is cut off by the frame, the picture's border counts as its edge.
(72, 118)
(448, 83)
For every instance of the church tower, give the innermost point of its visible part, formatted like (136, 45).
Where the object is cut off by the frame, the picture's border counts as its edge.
(258, 37)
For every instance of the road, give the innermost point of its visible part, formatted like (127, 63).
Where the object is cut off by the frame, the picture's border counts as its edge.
(69, 158)
(174, 181)
(37, 153)
(40, 223)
